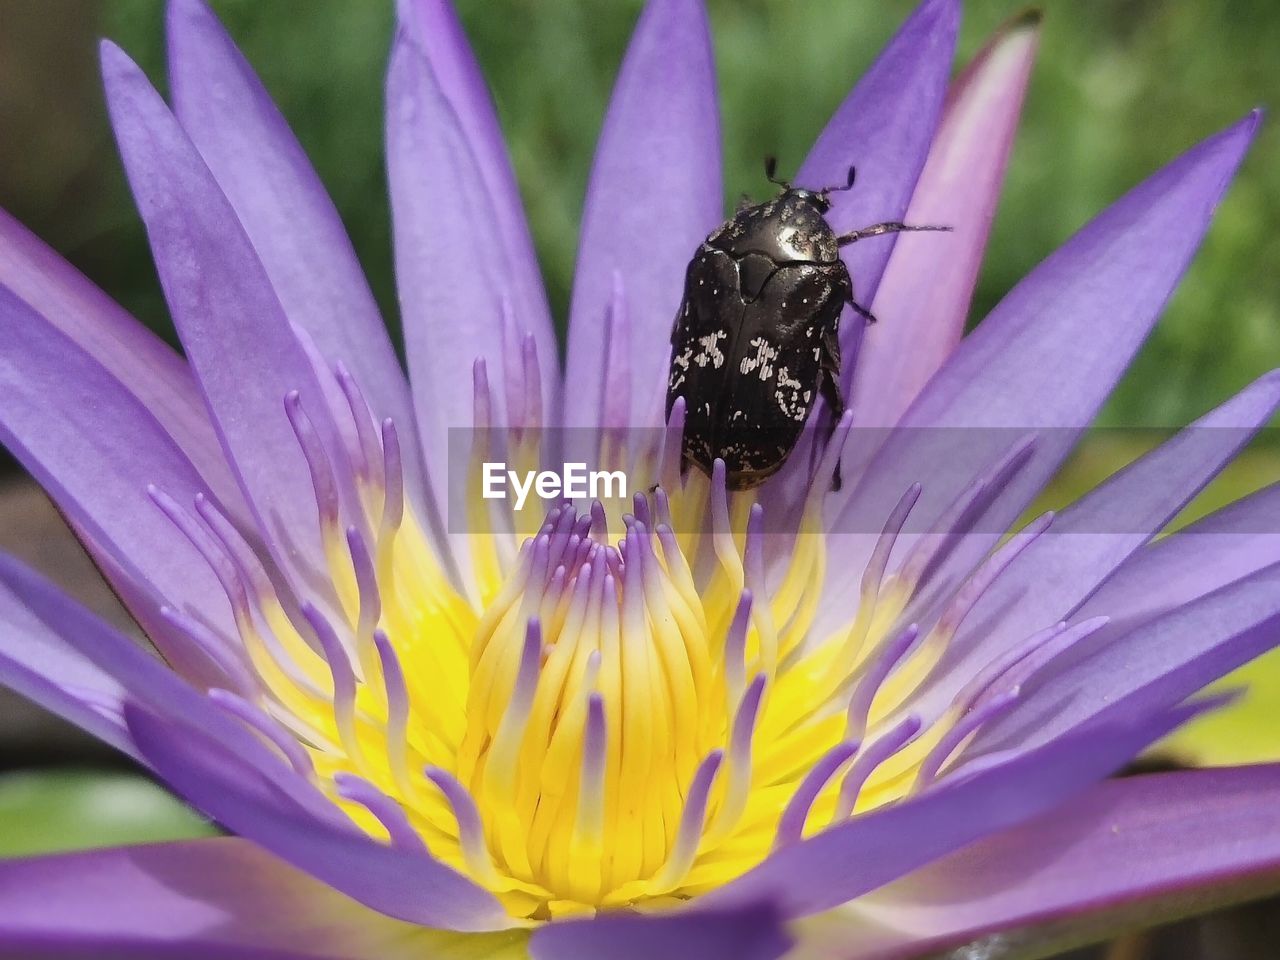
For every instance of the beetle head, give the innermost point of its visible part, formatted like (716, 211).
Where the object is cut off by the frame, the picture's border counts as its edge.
(818, 198)
(821, 199)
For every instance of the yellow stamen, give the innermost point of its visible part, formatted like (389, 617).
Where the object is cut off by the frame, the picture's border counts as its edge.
(581, 724)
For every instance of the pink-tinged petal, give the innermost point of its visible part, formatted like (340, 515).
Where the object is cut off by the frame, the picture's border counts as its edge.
(434, 27)
(1042, 362)
(245, 355)
(887, 843)
(286, 213)
(884, 128)
(924, 295)
(752, 932)
(220, 898)
(146, 366)
(400, 883)
(1112, 676)
(1225, 546)
(655, 193)
(1131, 852)
(95, 449)
(1095, 535)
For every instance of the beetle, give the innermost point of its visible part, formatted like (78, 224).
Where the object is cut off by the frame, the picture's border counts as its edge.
(756, 338)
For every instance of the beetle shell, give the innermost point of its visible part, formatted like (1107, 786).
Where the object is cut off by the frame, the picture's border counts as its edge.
(755, 339)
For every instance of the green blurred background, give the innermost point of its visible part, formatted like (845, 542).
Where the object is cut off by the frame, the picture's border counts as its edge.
(1121, 87)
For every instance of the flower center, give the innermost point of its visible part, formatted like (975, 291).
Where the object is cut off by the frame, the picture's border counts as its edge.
(596, 717)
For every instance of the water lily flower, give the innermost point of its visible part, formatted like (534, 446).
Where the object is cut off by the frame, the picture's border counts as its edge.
(857, 722)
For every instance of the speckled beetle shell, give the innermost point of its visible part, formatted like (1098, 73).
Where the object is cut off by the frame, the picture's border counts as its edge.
(756, 338)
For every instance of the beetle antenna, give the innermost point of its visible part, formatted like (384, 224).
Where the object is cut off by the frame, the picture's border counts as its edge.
(850, 177)
(771, 173)
(879, 229)
(849, 184)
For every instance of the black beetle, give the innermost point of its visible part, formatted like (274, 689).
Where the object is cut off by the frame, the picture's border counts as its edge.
(757, 335)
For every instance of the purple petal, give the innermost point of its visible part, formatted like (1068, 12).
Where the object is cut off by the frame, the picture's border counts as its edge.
(1113, 676)
(877, 847)
(145, 365)
(1130, 852)
(1122, 267)
(751, 932)
(959, 188)
(654, 194)
(285, 211)
(434, 27)
(1095, 535)
(1225, 546)
(42, 666)
(245, 355)
(206, 899)
(400, 883)
(1043, 360)
(95, 448)
(74, 661)
(441, 214)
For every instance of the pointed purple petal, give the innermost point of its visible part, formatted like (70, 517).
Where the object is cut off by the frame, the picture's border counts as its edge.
(1044, 359)
(42, 666)
(434, 27)
(884, 128)
(752, 932)
(1131, 852)
(95, 449)
(67, 652)
(399, 883)
(144, 364)
(1115, 676)
(877, 847)
(958, 188)
(1225, 546)
(221, 898)
(441, 215)
(285, 211)
(655, 193)
(1097, 533)
(245, 355)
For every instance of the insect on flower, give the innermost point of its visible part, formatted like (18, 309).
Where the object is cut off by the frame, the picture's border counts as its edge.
(576, 733)
(756, 340)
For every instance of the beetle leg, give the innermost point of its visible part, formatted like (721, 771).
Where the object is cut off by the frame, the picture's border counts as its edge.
(879, 229)
(830, 392)
(829, 388)
(862, 311)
